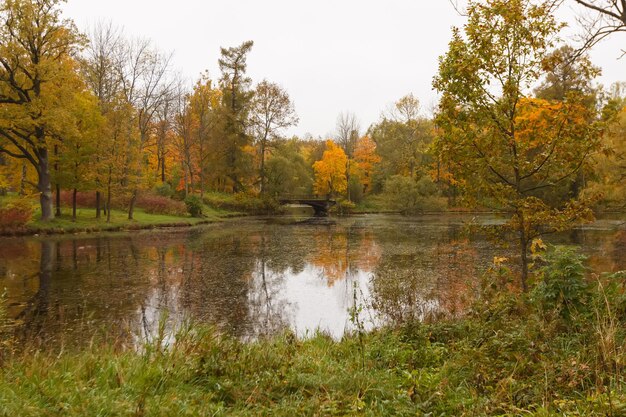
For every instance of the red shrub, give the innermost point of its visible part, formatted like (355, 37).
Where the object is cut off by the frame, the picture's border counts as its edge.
(15, 215)
(87, 199)
(155, 204)
(83, 199)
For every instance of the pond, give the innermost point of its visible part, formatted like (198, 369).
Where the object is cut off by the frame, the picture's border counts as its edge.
(259, 276)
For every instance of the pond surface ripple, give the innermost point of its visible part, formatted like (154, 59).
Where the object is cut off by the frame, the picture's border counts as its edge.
(255, 276)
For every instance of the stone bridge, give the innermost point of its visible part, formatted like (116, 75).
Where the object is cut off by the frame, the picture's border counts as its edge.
(320, 205)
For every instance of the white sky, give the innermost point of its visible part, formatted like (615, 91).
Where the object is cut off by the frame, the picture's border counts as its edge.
(330, 55)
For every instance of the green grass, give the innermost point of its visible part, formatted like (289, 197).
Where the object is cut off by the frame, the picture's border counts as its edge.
(86, 220)
(450, 369)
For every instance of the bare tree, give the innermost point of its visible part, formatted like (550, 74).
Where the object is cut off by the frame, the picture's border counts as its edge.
(605, 18)
(99, 71)
(99, 60)
(183, 126)
(347, 132)
(146, 85)
(164, 122)
(347, 136)
(272, 111)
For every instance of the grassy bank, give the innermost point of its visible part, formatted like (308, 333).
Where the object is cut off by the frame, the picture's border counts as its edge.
(87, 222)
(558, 350)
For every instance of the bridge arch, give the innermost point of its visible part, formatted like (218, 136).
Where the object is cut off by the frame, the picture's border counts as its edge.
(320, 205)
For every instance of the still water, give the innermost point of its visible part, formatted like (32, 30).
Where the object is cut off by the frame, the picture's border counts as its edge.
(256, 276)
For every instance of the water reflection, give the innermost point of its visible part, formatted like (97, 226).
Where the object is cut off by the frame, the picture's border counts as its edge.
(254, 277)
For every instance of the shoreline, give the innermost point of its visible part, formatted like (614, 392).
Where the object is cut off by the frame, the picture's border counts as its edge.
(103, 227)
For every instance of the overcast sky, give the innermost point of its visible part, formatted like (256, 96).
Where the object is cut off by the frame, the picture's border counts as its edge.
(331, 56)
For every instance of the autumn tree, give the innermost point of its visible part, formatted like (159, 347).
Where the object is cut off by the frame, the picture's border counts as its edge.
(347, 134)
(99, 72)
(287, 170)
(271, 112)
(566, 71)
(569, 72)
(36, 76)
(145, 85)
(403, 138)
(366, 160)
(163, 134)
(76, 161)
(205, 107)
(500, 144)
(235, 86)
(185, 126)
(609, 167)
(330, 171)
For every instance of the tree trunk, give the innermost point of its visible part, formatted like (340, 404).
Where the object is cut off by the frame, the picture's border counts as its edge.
(201, 169)
(524, 253)
(58, 200)
(348, 180)
(524, 250)
(262, 167)
(131, 207)
(108, 202)
(57, 186)
(163, 168)
(98, 204)
(23, 181)
(201, 174)
(74, 205)
(186, 182)
(44, 186)
(191, 186)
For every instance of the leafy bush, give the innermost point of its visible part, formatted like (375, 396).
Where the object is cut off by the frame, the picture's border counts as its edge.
(241, 202)
(562, 287)
(164, 190)
(344, 207)
(15, 214)
(155, 204)
(408, 196)
(194, 205)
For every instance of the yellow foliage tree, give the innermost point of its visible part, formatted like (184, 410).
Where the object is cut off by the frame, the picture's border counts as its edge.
(609, 167)
(37, 80)
(330, 172)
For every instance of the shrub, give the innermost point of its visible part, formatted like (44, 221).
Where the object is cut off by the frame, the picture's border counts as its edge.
(344, 207)
(155, 204)
(562, 287)
(164, 190)
(194, 205)
(15, 214)
(409, 196)
(242, 202)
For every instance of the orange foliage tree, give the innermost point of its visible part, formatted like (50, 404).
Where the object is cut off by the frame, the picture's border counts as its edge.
(366, 160)
(330, 171)
(505, 149)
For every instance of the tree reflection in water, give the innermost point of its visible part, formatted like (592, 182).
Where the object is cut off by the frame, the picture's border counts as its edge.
(251, 277)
